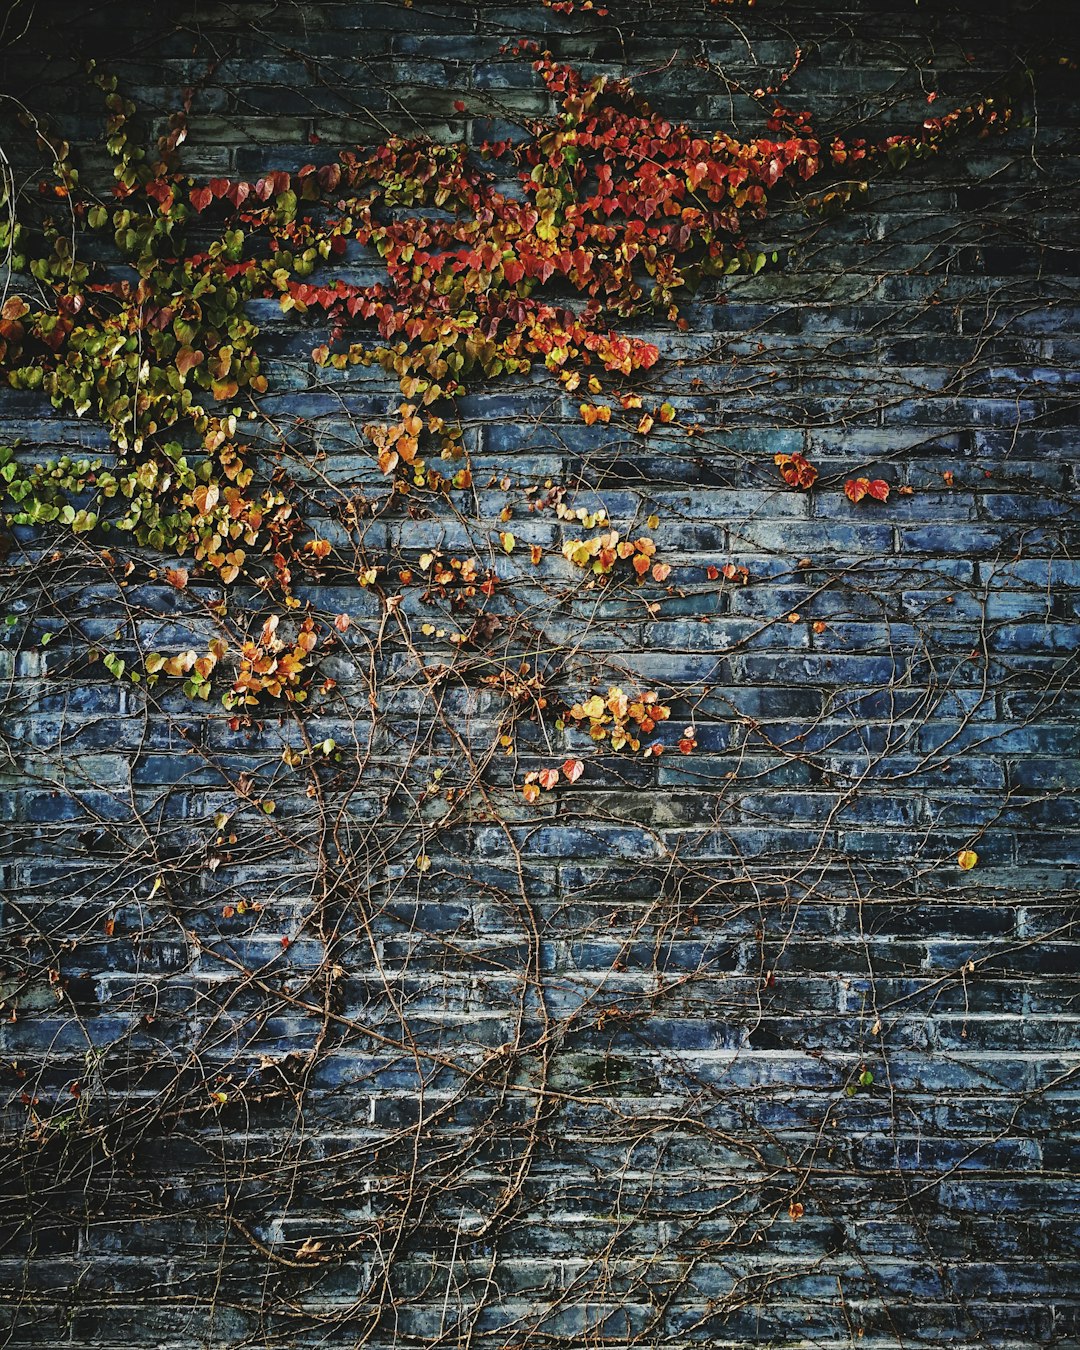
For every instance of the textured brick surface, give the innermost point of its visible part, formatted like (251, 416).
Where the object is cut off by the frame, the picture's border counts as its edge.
(562, 1088)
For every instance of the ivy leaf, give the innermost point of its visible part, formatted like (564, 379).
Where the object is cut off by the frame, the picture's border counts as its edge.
(186, 359)
(855, 489)
(967, 858)
(796, 470)
(572, 770)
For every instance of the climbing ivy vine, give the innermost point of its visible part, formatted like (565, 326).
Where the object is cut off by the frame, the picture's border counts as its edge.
(620, 215)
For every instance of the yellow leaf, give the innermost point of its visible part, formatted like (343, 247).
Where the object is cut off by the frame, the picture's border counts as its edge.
(507, 540)
(967, 859)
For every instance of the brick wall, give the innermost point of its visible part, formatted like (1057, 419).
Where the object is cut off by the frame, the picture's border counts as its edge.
(720, 1049)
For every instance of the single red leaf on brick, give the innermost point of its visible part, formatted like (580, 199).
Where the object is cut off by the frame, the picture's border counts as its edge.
(201, 198)
(712, 572)
(573, 769)
(879, 489)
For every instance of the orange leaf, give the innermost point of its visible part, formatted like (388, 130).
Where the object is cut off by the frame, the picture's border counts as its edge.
(661, 571)
(573, 769)
(205, 498)
(548, 778)
(177, 576)
(858, 488)
(796, 470)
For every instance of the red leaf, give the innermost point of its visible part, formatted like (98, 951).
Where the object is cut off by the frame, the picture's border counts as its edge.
(858, 488)
(796, 470)
(573, 769)
(548, 778)
(201, 198)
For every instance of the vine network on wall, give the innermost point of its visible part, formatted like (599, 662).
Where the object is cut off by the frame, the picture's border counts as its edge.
(523, 615)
